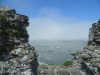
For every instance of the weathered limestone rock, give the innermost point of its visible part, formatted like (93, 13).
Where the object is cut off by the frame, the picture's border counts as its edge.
(4, 8)
(17, 56)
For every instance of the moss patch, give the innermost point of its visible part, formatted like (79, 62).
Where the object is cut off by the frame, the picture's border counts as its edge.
(50, 64)
(67, 63)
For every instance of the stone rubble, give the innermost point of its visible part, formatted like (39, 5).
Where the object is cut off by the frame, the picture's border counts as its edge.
(17, 56)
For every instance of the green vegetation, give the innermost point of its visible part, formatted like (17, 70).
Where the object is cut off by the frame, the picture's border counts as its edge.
(67, 63)
(50, 64)
(6, 25)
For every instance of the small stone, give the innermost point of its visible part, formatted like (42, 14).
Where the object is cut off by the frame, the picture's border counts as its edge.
(25, 58)
(27, 72)
(29, 61)
(31, 55)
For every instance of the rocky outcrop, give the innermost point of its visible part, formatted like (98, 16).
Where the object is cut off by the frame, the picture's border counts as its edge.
(17, 56)
(94, 34)
(88, 59)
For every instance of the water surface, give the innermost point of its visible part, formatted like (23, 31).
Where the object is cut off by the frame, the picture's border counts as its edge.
(60, 50)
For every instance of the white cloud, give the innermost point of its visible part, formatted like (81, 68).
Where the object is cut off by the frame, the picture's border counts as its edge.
(57, 26)
(45, 28)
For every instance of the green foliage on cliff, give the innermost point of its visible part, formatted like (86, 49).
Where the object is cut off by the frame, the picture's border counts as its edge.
(7, 25)
(67, 63)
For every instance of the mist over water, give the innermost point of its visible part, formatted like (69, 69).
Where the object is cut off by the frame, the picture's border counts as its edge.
(60, 50)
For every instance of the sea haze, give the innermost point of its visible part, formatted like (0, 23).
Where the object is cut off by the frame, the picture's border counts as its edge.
(56, 52)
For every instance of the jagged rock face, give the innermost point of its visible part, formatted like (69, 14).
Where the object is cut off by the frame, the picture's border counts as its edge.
(88, 59)
(17, 56)
(94, 34)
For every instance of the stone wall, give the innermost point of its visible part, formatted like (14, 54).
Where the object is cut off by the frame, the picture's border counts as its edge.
(17, 56)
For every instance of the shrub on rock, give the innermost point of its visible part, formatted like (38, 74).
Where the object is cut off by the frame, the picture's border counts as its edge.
(67, 63)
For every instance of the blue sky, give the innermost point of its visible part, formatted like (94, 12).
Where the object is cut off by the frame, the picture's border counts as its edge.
(57, 19)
